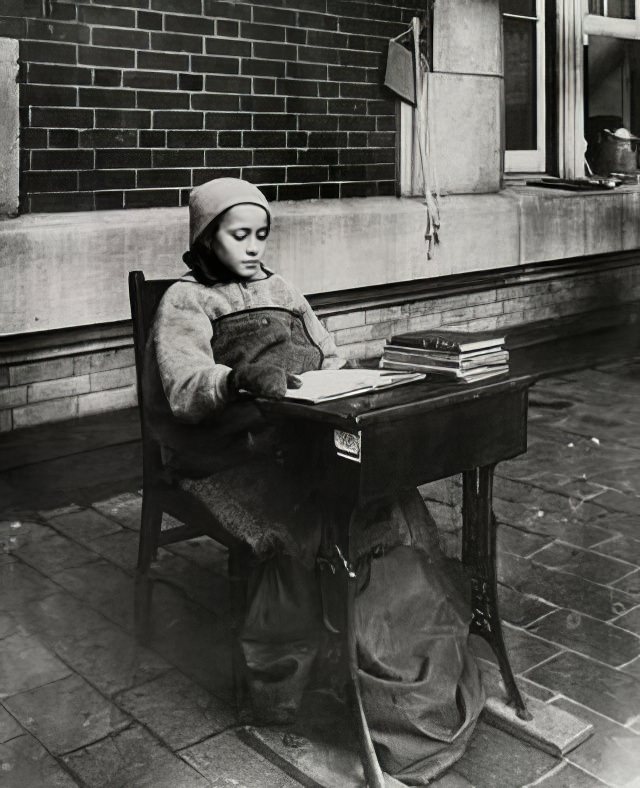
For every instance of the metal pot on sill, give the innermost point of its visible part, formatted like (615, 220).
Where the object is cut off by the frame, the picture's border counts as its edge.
(618, 152)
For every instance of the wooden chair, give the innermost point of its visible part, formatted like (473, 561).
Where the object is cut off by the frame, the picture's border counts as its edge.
(160, 496)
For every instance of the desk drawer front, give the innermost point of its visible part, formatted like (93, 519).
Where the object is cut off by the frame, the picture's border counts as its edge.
(443, 442)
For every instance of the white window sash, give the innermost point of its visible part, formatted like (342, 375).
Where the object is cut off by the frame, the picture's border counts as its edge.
(534, 160)
(595, 25)
(569, 42)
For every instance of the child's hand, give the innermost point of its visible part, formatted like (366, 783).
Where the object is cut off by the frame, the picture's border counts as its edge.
(263, 380)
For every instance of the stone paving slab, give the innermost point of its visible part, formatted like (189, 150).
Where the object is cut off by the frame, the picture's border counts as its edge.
(54, 553)
(593, 638)
(494, 758)
(119, 548)
(521, 609)
(226, 760)
(562, 589)
(25, 664)
(525, 650)
(586, 563)
(608, 691)
(630, 621)
(82, 525)
(612, 752)
(125, 509)
(177, 710)
(9, 726)
(134, 758)
(630, 584)
(66, 714)
(623, 547)
(24, 763)
(569, 776)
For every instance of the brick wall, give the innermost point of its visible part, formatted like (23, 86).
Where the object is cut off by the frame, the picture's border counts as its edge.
(54, 389)
(129, 103)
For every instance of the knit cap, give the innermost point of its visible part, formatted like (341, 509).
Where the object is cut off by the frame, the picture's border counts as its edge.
(214, 197)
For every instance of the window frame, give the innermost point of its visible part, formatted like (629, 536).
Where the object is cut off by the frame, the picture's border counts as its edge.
(535, 159)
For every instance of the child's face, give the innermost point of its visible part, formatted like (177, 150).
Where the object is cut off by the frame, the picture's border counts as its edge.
(240, 240)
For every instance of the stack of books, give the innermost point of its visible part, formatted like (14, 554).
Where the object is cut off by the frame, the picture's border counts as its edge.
(464, 355)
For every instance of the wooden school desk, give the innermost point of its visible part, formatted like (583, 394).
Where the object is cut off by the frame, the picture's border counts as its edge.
(374, 445)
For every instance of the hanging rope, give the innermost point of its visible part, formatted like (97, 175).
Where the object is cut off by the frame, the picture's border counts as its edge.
(425, 156)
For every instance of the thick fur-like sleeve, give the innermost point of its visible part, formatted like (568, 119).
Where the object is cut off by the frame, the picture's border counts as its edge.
(194, 385)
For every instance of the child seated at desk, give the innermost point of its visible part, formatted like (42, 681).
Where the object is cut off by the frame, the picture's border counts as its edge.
(232, 325)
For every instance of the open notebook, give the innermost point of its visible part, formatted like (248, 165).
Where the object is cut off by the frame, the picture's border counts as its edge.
(324, 384)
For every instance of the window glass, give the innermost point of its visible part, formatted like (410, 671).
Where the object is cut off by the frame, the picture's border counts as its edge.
(520, 84)
(612, 102)
(620, 9)
(519, 7)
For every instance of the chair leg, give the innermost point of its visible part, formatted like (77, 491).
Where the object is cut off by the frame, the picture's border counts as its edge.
(151, 522)
(238, 564)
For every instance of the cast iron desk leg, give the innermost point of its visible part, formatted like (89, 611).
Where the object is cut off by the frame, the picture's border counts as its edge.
(479, 557)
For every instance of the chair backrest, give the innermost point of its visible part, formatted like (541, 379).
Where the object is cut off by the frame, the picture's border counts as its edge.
(144, 297)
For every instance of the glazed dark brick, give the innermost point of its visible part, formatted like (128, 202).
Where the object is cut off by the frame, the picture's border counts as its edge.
(48, 96)
(274, 51)
(208, 64)
(51, 181)
(229, 10)
(122, 158)
(324, 38)
(261, 32)
(103, 56)
(152, 198)
(299, 191)
(187, 24)
(176, 42)
(43, 52)
(60, 202)
(95, 180)
(109, 200)
(264, 174)
(263, 85)
(61, 159)
(100, 15)
(218, 102)
(179, 6)
(359, 90)
(13, 27)
(64, 138)
(147, 20)
(260, 104)
(356, 123)
(103, 97)
(301, 106)
(317, 21)
(117, 37)
(227, 157)
(263, 68)
(297, 87)
(162, 100)
(46, 30)
(153, 139)
(34, 138)
(307, 71)
(192, 139)
(227, 47)
(319, 54)
(265, 139)
(367, 155)
(307, 174)
(263, 157)
(297, 139)
(265, 122)
(190, 82)
(162, 61)
(108, 138)
(295, 35)
(274, 16)
(163, 178)
(318, 122)
(177, 158)
(63, 118)
(328, 89)
(318, 156)
(225, 27)
(178, 120)
(150, 80)
(219, 84)
(228, 121)
(200, 176)
(123, 119)
(106, 77)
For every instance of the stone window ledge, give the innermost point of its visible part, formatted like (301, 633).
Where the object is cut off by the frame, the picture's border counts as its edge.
(67, 270)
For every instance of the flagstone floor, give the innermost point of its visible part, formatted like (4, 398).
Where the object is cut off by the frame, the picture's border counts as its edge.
(89, 698)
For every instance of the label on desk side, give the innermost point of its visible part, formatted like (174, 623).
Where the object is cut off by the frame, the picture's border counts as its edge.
(347, 444)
